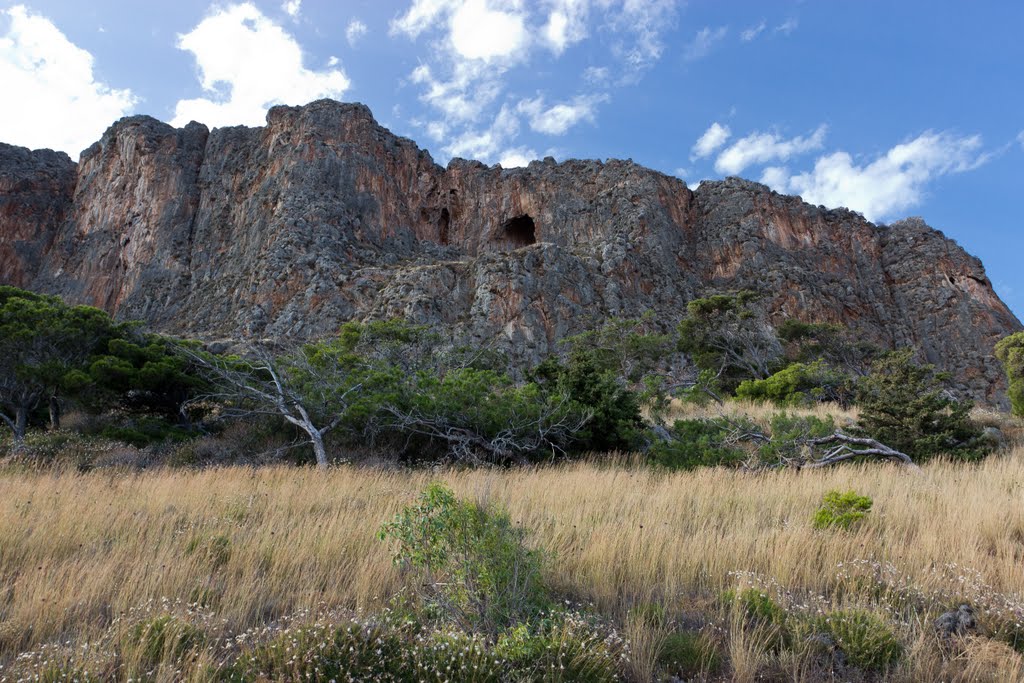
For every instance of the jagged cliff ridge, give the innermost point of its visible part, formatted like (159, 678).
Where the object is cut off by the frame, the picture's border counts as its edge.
(323, 216)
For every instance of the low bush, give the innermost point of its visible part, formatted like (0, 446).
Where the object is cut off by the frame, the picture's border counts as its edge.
(840, 510)
(689, 655)
(696, 443)
(866, 639)
(471, 558)
(565, 647)
(800, 384)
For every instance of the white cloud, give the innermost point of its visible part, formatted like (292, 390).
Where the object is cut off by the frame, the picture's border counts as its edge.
(893, 182)
(53, 97)
(558, 119)
(516, 157)
(566, 24)
(475, 46)
(248, 63)
(788, 26)
(292, 8)
(486, 144)
(645, 23)
(749, 34)
(479, 32)
(703, 42)
(354, 32)
(759, 148)
(421, 16)
(776, 177)
(713, 138)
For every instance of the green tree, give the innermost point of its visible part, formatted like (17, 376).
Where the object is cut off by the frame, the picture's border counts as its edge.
(829, 343)
(614, 418)
(727, 336)
(143, 373)
(905, 406)
(1010, 352)
(44, 347)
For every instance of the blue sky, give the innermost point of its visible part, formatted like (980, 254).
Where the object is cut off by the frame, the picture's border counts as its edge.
(889, 108)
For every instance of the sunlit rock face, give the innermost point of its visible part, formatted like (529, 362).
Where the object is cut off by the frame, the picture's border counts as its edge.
(323, 216)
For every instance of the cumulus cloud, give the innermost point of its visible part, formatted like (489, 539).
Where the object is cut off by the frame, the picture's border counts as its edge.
(891, 183)
(566, 24)
(476, 46)
(760, 148)
(354, 32)
(713, 138)
(53, 97)
(292, 8)
(247, 63)
(749, 34)
(476, 29)
(704, 42)
(516, 157)
(486, 144)
(559, 118)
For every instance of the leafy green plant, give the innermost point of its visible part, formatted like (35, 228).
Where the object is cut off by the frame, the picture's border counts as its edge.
(472, 558)
(689, 655)
(593, 389)
(729, 336)
(799, 384)
(867, 640)
(565, 647)
(790, 435)
(696, 443)
(321, 652)
(905, 406)
(841, 510)
(1010, 352)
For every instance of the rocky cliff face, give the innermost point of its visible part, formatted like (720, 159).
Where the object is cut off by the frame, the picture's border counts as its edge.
(323, 216)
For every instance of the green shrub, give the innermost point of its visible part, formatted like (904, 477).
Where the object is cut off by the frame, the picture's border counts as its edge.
(564, 648)
(696, 443)
(799, 384)
(760, 607)
(865, 639)
(615, 420)
(352, 652)
(905, 406)
(689, 655)
(1010, 352)
(471, 557)
(841, 510)
(790, 434)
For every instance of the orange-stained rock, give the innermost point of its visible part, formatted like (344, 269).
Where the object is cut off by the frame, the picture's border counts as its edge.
(323, 216)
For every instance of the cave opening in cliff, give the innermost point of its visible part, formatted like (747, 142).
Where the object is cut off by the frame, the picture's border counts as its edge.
(519, 231)
(442, 226)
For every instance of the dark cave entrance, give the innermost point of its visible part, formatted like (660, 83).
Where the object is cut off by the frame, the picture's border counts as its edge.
(442, 226)
(519, 231)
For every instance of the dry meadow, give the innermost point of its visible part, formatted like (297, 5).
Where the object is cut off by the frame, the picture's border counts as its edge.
(236, 549)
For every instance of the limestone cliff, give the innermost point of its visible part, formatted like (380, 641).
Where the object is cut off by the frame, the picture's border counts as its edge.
(323, 216)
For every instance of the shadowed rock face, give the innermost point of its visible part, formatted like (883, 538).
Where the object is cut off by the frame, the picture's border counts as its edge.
(323, 216)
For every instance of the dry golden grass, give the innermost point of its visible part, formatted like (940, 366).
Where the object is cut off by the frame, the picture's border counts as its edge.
(759, 412)
(76, 550)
